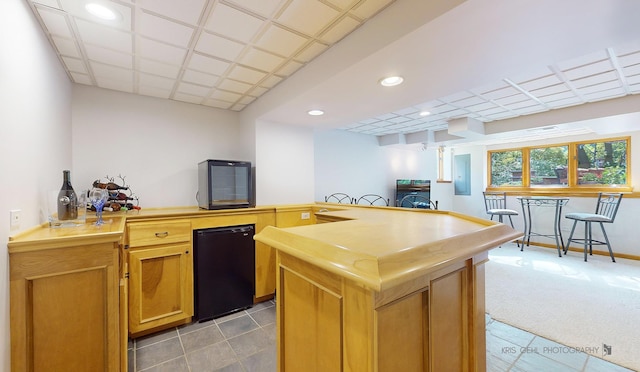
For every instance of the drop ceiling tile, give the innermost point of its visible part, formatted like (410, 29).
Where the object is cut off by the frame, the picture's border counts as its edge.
(600, 94)
(271, 81)
(552, 89)
(499, 93)
(165, 30)
(154, 92)
(594, 68)
(387, 116)
(218, 104)
(158, 68)
(630, 59)
(311, 51)
(193, 89)
(516, 98)
(187, 98)
(565, 102)
(81, 78)
(207, 64)
(238, 107)
(261, 60)
(632, 70)
(339, 30)
(246, 100)
(107, 37)
(407, 111)
(491, 111)
(398, 120)
(595, 79)
(50, 3)
(342, 4)
(66, 47)
(246, 75)
(557, 96)
(483, 105)
(55, 22)
(224, 20)
(368, 8)
(100, 70)
(155, 82)
(151, 49)
(123, 11)
(289, 68)
(258, 91)
(108, 56)
(591, 89)
(540, 83)
(280, 41)
(218, 46)
(225, 96)
(633, 80)
(307, 16)
(108, 83)
(75, 65)
(469, 101)
(189, 11)
(235, 86)
(265, 8)
(198, 77)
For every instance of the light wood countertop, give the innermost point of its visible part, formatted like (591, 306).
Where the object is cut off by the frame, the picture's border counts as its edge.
(380, 248)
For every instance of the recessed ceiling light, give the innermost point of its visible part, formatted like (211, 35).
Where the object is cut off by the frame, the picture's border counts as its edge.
(101, 11)
(425, 113)
(391, 81)
(315, 112)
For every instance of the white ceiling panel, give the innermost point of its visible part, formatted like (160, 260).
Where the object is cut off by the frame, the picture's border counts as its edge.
(165, 30)
(188, 11)
(158, 68)
(97, 34)
(218, 46)
(226, 53)
(225, 19)
(308, 16)
(55, 21)
(280, 41)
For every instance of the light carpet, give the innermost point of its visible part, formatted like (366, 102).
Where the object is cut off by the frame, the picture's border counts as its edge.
(585, 305)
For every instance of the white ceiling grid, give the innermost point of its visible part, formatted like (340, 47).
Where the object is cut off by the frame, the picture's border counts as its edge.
(219, 53)
(607, 74)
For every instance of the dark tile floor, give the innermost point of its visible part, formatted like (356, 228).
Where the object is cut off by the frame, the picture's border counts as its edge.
(245, 342)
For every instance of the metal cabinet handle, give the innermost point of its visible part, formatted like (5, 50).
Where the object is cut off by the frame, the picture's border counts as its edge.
(162, 234)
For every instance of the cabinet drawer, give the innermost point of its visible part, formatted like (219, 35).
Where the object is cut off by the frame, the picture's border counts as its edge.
(153, 233)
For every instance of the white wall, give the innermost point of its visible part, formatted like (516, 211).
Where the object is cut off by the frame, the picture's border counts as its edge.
(35, 127)
(156, 143)
(284, 165)
(355, 164)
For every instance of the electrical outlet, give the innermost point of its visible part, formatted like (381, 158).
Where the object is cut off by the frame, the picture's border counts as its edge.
(305, 215)
(14, 216)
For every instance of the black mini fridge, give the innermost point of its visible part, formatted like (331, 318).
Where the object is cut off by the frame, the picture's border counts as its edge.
(224, 271)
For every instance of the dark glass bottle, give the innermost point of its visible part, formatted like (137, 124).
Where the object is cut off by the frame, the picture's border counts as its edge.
(67, 199)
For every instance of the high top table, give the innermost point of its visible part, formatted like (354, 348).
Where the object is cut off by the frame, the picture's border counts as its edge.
(543, 201)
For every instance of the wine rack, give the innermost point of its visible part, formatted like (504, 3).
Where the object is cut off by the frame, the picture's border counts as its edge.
(121, 197)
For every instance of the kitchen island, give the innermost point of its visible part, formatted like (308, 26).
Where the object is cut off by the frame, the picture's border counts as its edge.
(383, 289)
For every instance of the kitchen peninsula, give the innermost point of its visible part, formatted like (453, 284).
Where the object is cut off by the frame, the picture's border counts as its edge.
(381, 290)
(386, 286)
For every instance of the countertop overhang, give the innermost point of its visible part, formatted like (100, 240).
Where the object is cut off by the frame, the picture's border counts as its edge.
(383, 247)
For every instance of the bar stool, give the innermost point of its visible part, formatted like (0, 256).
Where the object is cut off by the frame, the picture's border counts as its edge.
(606, 210)
(495, 204)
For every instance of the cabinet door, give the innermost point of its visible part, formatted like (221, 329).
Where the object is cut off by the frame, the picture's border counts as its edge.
(160, 286)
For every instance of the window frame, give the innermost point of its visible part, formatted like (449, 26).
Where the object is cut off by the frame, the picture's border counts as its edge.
(572, 170)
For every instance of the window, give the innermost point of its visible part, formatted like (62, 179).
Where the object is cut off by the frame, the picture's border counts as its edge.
(549, 166)
(506, 168)
(599, 164)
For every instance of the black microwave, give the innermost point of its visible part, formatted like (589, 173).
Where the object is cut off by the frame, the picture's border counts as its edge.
(224, 184)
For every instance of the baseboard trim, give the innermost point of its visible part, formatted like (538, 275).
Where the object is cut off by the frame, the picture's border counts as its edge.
(581, 250)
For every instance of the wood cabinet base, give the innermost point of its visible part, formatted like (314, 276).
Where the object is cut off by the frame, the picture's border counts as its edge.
(330, 323)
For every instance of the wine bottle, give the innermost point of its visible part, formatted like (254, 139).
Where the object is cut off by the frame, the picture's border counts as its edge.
(67, 199)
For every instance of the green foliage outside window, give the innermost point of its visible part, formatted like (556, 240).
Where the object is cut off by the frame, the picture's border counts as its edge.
(549, 165)
(506, 168)
(603, 163)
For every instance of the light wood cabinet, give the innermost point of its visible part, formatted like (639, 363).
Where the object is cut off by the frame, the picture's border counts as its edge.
(64, 287)
(160, 274)
(383, 290)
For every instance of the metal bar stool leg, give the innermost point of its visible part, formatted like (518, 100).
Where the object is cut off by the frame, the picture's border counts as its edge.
(566, 247)
(587, 235)
(606, 239)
